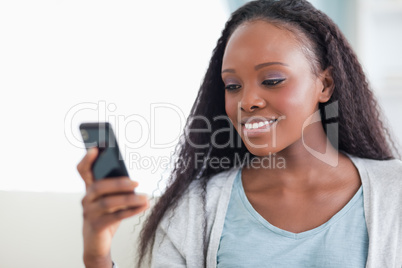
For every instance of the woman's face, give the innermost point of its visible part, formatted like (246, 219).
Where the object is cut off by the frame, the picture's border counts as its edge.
(270, 90)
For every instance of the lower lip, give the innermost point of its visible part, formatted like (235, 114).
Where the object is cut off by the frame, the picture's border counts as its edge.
(255, 132)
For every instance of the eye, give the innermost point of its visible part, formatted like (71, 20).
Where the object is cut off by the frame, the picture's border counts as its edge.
(232, 87)
(273, 82)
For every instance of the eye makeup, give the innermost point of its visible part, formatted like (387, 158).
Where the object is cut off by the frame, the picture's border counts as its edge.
(273, 82)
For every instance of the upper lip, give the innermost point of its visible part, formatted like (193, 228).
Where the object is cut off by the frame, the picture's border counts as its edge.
(256, 119)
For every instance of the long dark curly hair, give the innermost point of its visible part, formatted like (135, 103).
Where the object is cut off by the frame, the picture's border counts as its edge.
(361, 130)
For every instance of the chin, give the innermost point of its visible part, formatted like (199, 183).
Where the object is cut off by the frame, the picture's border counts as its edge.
(266, 158)
(263, 151)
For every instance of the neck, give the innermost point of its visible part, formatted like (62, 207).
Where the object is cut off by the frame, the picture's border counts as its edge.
(302, 165)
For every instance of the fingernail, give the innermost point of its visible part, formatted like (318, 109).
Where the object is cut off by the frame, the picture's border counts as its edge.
(128, 182)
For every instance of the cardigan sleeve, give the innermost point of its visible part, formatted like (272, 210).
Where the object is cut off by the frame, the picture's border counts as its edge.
(166, 251)
(179, 236)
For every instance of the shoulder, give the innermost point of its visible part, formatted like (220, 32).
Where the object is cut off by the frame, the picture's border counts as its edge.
(217, 192)
(380, 174)
(386, 169)
(216, 183)
(183, 225)
(191, 204)
(383, 167)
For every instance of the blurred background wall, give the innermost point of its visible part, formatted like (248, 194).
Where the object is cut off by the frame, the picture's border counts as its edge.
(65, 62)
(373, 27)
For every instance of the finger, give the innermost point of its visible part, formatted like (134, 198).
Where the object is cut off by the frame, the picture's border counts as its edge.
(100, 221)
(110, 186)
(110, 219)
(85, 165)
(114, 203)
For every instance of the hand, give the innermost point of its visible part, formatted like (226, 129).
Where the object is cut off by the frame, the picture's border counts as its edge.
(106, 203)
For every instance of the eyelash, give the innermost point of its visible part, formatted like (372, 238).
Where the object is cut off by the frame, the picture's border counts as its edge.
(232, 87)
(273, 82)
(267, 83)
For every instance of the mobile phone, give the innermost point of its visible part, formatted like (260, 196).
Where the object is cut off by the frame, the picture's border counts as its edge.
(109, 162)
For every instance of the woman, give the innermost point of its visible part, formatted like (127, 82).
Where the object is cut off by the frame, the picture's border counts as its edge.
(288, 82)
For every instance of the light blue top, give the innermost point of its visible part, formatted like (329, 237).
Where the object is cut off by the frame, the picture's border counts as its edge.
(196, 223)
(248, 240)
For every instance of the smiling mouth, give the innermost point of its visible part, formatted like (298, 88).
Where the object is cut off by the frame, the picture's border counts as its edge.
(259, 125)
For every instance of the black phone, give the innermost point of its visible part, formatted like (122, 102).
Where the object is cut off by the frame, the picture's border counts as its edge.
(109, 162)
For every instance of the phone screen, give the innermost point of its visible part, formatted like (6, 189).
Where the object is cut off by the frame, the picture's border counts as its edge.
(109, 162)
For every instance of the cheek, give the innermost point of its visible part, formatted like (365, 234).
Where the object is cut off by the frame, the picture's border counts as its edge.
(299, 101)
(287, 103)
(230, 107)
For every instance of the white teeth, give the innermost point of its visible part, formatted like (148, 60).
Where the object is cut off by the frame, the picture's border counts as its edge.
(258, 125)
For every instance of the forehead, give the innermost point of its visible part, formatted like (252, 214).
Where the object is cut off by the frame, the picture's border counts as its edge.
(261, 41)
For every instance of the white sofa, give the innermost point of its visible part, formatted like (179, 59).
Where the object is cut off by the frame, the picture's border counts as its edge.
(43, 230)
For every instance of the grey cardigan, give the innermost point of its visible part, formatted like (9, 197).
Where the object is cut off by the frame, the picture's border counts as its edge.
(179, 237)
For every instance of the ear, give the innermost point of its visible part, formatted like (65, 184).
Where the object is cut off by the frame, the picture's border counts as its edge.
(327, 85)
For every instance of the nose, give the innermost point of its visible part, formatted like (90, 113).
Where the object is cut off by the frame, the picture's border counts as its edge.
(251, 100)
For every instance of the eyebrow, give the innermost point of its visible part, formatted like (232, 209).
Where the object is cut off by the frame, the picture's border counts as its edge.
(262, 65)
(259, 66)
